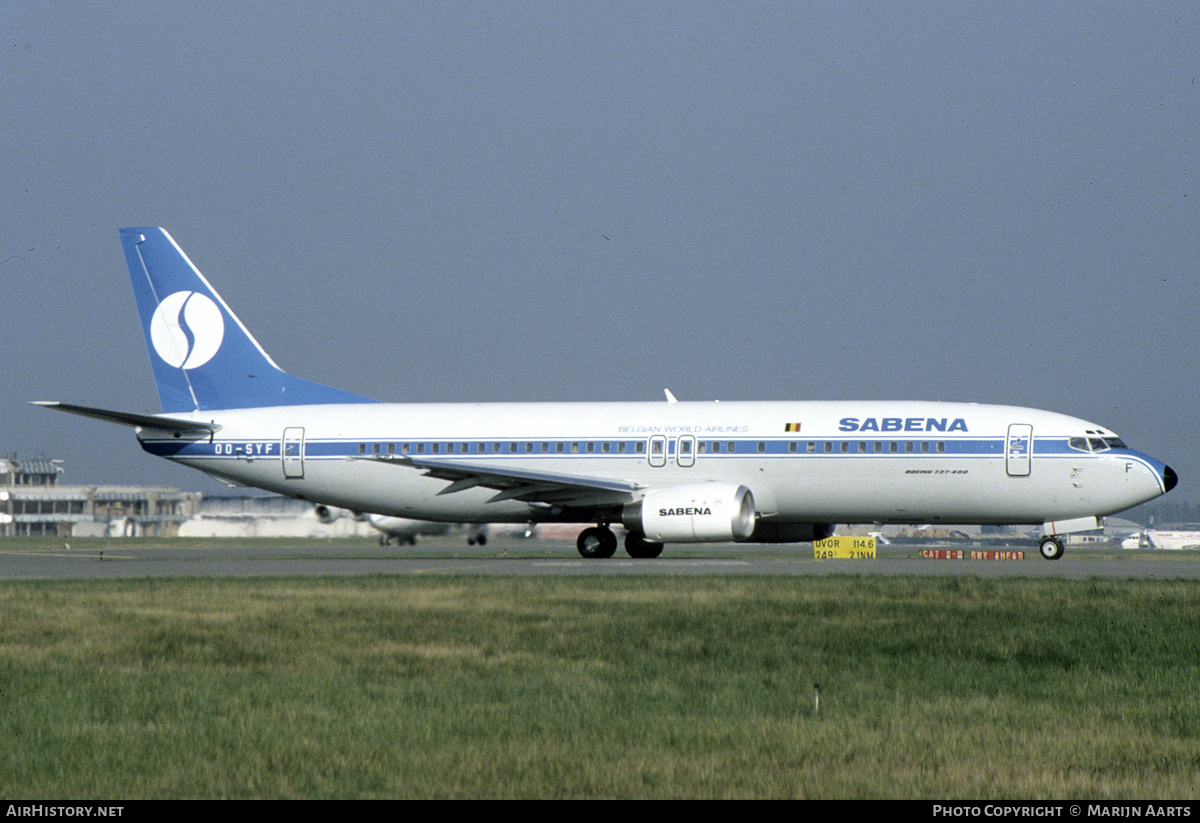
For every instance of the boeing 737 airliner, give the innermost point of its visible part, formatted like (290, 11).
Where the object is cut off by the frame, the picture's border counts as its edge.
(670, 472)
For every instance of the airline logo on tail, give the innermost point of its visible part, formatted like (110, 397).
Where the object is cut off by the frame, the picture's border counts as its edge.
(187, 329)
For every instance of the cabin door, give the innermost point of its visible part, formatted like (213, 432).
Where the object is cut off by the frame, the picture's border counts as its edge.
(292, 450)
(1018, 449)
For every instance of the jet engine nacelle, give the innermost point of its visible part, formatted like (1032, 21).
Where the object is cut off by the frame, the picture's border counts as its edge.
(698, 513)
(326, 514)
(766, 532)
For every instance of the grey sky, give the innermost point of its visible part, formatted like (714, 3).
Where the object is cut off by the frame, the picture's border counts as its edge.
(567, 201)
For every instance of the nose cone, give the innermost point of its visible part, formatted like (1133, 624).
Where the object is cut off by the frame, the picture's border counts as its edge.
(1170, 479)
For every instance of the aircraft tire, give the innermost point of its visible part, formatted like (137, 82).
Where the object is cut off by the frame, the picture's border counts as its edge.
(1051, 548)
(638, 546)
(596, 543)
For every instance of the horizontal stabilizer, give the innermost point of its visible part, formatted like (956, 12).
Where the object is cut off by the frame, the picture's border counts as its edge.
(145, 421)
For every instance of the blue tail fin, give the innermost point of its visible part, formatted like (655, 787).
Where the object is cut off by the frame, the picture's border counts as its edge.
(203, 357)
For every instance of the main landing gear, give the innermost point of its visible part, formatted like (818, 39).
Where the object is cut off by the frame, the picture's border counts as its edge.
(600, 542)
(1051, 547)
(636, 545)
(597, 542)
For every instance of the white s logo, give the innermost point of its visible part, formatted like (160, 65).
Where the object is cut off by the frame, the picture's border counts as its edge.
(187, 329)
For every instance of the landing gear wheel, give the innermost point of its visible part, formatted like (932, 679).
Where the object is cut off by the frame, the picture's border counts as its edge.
(1051, 548)
(597, 542)
(638, 546)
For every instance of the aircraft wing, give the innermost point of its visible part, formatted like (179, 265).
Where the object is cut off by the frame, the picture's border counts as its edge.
(529, 485)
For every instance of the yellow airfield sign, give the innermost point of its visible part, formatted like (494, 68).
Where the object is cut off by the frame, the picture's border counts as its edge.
(844, 548)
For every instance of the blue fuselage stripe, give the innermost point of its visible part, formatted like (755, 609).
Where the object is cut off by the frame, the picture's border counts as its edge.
(577, 448)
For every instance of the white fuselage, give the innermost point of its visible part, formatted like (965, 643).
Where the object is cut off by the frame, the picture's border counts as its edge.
(804, 462)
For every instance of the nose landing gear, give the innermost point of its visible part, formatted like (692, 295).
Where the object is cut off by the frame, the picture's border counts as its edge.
(1051, 547)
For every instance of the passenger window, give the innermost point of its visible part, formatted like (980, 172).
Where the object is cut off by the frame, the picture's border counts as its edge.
(762, 447)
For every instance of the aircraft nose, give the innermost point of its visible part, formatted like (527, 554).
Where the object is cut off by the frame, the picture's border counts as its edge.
(1170, 479)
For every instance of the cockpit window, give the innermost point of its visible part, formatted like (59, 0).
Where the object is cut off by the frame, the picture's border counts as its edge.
(1096, 444)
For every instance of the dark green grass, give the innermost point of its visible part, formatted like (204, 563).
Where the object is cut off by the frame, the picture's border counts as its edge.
(600, 687)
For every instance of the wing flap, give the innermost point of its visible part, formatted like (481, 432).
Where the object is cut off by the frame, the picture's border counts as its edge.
(529, 485)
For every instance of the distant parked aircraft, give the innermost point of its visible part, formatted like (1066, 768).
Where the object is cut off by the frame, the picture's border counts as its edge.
(1154, 539)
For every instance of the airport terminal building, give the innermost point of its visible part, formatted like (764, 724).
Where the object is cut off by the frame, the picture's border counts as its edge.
(34, 504)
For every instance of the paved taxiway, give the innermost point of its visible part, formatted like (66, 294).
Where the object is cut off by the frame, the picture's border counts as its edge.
(533, 558)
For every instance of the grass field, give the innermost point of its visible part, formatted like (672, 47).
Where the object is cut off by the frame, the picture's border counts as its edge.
(600, 687)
